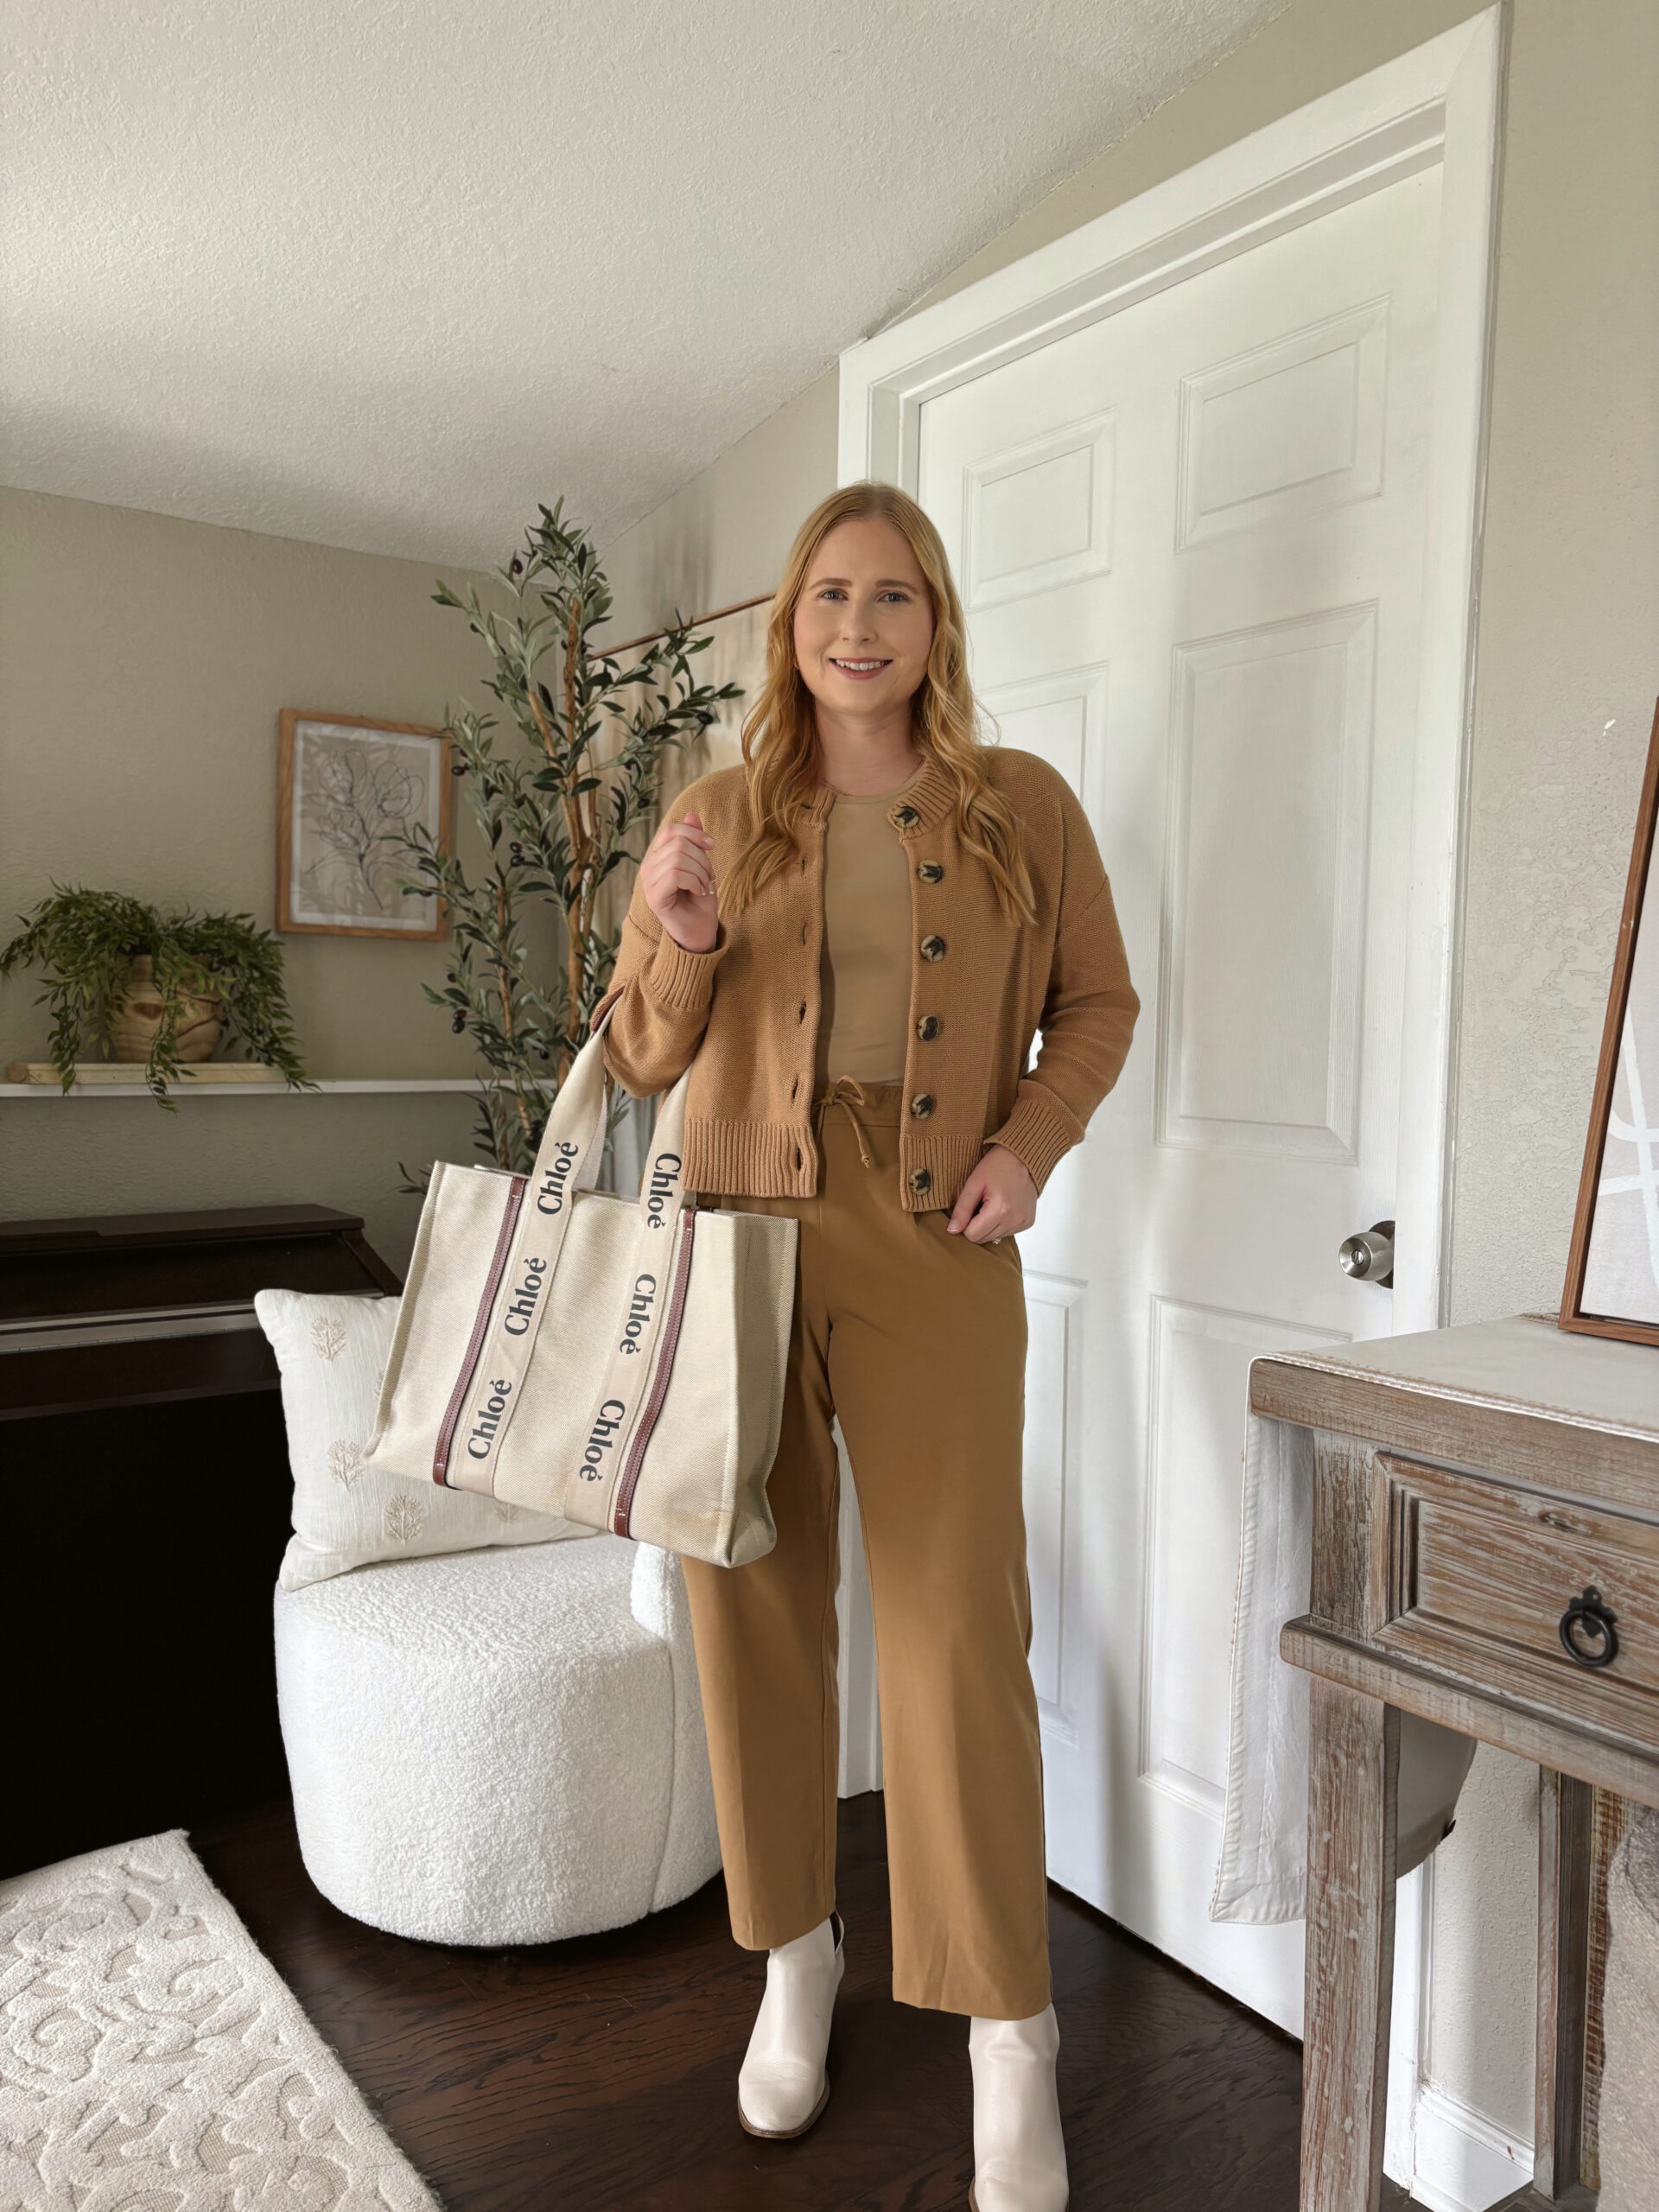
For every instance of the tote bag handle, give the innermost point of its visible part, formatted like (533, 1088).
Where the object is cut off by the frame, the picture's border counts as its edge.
(516, 1296)
(572, 1146)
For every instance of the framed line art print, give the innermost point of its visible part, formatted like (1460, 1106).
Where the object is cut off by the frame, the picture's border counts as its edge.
(345, 787)
(1612, 1269)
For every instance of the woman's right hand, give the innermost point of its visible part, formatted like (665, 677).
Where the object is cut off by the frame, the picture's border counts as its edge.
(677, 878)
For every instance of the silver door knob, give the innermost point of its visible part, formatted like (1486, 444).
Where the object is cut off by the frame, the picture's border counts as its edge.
(1369, 1256)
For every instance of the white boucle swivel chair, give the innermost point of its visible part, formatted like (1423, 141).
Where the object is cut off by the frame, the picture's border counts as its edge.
(497, 1747)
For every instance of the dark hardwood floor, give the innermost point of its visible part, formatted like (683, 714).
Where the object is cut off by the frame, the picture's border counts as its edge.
(602, 2073)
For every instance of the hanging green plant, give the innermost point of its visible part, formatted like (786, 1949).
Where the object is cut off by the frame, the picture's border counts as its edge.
(555, 814)
(154, 988)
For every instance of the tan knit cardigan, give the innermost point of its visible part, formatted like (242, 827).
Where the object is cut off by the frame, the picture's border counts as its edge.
(744, 1015)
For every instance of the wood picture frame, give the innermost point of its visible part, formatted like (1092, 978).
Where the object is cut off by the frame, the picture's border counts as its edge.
(343, 782)
(1601, 1273)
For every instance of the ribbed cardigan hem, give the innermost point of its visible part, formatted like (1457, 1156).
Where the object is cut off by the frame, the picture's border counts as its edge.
(758, 1160)
(755, 1159)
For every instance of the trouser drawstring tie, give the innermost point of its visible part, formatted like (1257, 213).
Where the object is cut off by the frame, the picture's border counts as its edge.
(842, 1092)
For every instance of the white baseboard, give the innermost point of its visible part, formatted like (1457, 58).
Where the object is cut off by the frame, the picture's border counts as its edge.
(1463, 2161)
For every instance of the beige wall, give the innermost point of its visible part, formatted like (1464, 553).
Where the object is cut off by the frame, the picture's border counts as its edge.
(723, 537)
(96, 1155)
(145, 661)
(1568, 667)
(1566, 678)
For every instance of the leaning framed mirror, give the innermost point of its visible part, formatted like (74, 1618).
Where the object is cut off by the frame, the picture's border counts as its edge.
(1612, 1271)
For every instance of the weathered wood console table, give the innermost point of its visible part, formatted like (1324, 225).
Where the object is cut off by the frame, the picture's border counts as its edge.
(1485, 1554)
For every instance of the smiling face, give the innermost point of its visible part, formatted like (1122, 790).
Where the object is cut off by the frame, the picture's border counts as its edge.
(864, 621)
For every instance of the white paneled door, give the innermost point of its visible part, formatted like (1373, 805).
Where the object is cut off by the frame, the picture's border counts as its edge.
(1191, 537)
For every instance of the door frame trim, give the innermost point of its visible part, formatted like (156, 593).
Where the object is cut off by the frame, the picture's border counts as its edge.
(1439, 104)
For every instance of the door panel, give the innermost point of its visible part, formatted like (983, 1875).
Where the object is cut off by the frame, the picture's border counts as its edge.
(1258, 1014)
(1190, 542)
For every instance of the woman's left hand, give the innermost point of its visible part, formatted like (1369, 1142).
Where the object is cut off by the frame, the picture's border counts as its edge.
(999, 1197)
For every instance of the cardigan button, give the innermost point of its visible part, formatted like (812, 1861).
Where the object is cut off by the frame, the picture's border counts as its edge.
(904, 816)
(933, 948)
(922, 1105)
(929, 1027)
(930, 872)
(921, 1180)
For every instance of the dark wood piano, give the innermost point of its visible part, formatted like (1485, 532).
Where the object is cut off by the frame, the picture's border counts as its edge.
(147, 1497)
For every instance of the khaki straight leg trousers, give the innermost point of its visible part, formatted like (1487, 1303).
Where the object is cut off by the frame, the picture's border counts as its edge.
(916, 1339)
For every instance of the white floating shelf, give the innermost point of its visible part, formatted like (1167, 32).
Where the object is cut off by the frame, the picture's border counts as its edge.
(209, 1079)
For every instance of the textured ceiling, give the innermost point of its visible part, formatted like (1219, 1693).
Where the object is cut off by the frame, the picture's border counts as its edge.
(384, 273)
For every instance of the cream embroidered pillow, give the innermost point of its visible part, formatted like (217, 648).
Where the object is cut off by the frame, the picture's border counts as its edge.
(332, 1351)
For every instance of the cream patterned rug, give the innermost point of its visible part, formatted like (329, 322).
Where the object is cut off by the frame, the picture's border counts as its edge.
(151, 2060)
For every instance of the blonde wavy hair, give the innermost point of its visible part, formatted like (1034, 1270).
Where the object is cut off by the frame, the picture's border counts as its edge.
(781, 738)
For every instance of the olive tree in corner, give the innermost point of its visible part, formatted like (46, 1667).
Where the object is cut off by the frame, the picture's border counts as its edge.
(556, 802)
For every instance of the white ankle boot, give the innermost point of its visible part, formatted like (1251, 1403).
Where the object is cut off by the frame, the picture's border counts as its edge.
(782, 2086)
(1018, 2151)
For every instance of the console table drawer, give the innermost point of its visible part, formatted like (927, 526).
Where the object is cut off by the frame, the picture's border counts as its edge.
(1498, 1583)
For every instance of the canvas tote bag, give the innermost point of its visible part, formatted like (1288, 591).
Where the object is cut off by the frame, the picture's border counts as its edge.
(618, 1361)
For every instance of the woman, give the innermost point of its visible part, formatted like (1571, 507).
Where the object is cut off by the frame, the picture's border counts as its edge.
(873, 915)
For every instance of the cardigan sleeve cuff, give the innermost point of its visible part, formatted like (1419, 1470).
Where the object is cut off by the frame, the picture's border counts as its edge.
(681, 980)
(1038, 1132)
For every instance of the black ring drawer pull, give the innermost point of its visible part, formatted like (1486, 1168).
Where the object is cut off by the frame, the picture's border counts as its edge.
(1587, 1618)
